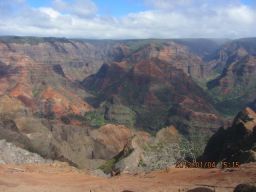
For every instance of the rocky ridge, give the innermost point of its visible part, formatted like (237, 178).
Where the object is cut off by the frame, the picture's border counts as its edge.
(236, 143)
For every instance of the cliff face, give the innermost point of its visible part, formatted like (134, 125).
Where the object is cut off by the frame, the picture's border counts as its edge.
(37, 85)
(236, 143)
(77, 59)
(81, 58)
(176, 55)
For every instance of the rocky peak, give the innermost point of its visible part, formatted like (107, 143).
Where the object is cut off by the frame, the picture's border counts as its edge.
(236, 143)
(247, 117)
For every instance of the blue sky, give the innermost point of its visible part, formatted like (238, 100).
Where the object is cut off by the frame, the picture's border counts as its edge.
(125, 19)
(113, 7)
(116, 8)
(119, 8)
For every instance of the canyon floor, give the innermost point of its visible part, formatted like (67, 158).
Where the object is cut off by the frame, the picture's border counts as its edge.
(62, 178)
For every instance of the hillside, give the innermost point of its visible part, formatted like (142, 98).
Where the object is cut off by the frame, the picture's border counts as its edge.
(235, 87)
(156, 82)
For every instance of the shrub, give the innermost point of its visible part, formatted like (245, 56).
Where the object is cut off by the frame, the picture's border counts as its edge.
(95, 119)
(65, 120)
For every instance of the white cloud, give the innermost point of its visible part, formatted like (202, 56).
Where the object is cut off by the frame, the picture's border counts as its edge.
(53, 14)
(81, 8)
(163, 19)
(242, 14)
(167, 4)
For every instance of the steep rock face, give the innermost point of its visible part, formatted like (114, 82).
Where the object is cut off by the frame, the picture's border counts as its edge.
(77, 58)
(59, 102)
(236, 143)
(176, 55)
(113, 138)
(235, 86)
(81, 58)
(37, 85)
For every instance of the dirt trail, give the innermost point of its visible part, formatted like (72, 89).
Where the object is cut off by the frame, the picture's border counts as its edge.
(62, 178)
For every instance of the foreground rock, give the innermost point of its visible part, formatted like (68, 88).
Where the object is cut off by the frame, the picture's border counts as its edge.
(249, 187)
(236, 143)
(143, 152)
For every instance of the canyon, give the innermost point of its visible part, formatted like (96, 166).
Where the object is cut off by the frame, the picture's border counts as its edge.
(114, 106)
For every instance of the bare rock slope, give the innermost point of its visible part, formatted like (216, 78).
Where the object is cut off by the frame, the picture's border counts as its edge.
(11, 154)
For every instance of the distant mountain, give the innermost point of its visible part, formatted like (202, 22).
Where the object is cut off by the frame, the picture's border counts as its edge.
(235, 87)
(205, 48)
(77, 58)
(156, 83)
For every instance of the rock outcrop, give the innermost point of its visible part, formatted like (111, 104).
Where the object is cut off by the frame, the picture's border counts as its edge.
(113, 138)
(11, 154)
(236, 143)
(246, 187)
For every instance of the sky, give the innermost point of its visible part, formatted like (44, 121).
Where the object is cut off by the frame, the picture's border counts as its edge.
(129, 19)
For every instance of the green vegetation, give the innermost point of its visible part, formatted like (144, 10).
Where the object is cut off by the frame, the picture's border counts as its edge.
(35, 92)
(231, 103)
(119, 114)
(164, 95)
(154, 147)
(65, 120)
(193, 146)
(92, 118)
(159, 155)
(135, 45)
(151, 119)
(142, 164)
(109, 165)
(95, 119)
(48, 116)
